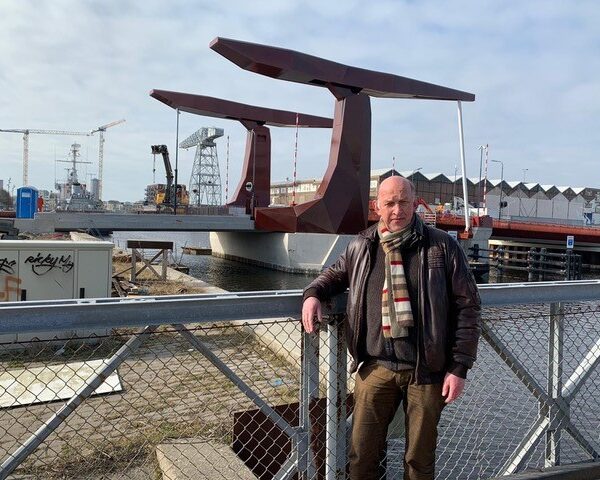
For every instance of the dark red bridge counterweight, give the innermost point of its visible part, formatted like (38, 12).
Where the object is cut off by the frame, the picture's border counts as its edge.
(342, 200)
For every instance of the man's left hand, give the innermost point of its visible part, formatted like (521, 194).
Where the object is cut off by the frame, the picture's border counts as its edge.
(453, 387)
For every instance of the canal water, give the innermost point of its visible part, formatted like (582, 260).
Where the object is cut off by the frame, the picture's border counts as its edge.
(225, 274)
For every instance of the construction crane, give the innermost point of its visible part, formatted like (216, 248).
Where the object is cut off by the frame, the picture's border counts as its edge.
(165, 197)
(26, 133)
(102, 129)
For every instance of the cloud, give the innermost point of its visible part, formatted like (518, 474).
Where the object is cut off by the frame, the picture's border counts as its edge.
(77, 65)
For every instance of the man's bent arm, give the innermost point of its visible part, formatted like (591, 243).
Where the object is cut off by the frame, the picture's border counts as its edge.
(330, 282)
(467, 314)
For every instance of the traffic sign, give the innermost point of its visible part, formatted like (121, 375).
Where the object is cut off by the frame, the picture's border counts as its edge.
(570, 242)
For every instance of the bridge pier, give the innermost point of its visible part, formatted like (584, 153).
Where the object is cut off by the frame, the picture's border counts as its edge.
(289, 252)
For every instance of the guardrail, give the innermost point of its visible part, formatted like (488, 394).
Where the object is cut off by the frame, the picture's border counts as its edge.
(234, 373)
(538, 263)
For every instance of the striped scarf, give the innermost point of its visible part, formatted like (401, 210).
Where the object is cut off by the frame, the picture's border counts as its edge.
(394, 321)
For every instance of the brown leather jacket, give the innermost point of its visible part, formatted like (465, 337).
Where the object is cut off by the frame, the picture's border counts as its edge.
(449, 314)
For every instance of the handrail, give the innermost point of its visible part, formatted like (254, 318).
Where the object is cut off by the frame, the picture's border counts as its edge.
(61, 315)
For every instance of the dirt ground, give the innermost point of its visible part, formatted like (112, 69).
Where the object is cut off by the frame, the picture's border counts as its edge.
(148, 283)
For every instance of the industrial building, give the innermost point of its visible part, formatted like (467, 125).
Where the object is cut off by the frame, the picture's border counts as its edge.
(499, 199)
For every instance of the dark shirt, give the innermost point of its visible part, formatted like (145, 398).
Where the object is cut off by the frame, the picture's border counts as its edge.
(394, 354)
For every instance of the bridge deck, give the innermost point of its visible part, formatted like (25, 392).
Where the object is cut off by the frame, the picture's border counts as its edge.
(64, 222)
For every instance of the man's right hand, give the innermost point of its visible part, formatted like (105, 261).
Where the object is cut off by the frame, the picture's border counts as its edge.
(311, 308)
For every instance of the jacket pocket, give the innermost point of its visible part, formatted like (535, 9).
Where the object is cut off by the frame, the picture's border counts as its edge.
(435, 258)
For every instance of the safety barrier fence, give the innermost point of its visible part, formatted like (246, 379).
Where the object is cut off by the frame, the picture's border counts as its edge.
(539, 264)
(228, 386)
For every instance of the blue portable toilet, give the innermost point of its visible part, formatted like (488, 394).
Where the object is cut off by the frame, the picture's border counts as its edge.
(26, 202)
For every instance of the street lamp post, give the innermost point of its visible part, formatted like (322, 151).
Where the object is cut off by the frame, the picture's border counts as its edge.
(501, 188)
(481, 148)
(174, 200)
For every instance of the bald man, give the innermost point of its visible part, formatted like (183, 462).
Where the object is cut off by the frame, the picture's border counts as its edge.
(413, 323)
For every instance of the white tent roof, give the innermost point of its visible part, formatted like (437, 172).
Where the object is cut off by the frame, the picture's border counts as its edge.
(475, 179)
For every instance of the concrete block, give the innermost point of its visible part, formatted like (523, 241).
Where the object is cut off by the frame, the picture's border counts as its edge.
(195, 459)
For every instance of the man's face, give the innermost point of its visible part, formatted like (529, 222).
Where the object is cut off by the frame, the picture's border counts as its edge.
(396, 203)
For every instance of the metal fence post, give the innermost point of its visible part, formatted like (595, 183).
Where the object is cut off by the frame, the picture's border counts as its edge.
(309, 394)
(555, 361)
(500, 264)
(134, 256)
(530, 264)
(475, 249)
(542, 264)
(335, 462)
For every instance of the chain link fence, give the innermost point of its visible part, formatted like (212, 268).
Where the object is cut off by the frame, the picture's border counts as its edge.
(235, 400)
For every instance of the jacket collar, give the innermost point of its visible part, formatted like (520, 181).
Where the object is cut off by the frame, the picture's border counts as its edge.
(418, 225)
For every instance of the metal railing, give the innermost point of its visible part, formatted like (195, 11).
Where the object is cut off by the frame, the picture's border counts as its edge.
(214, 380)
(539, 264)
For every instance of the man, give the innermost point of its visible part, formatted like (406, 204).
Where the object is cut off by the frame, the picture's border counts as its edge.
(413, 323)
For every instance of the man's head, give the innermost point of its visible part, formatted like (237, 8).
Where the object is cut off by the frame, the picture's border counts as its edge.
(396, 202)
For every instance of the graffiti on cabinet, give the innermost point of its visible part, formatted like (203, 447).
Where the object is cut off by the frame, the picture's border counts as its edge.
(42, 264)
(7, 266)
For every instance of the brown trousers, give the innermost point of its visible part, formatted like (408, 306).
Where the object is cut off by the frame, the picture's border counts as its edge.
(378, 393)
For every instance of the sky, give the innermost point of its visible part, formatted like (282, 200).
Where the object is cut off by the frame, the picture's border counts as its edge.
(74, 65)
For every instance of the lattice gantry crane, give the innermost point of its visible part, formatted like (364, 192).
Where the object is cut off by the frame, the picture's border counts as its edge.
(102, 129)
(205, 182)
(26, 133)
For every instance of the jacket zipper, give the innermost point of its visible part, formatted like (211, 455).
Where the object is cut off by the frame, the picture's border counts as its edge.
(420, 304)
(360, 300)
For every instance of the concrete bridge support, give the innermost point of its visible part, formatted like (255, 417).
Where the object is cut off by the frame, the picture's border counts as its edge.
(289, 252)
